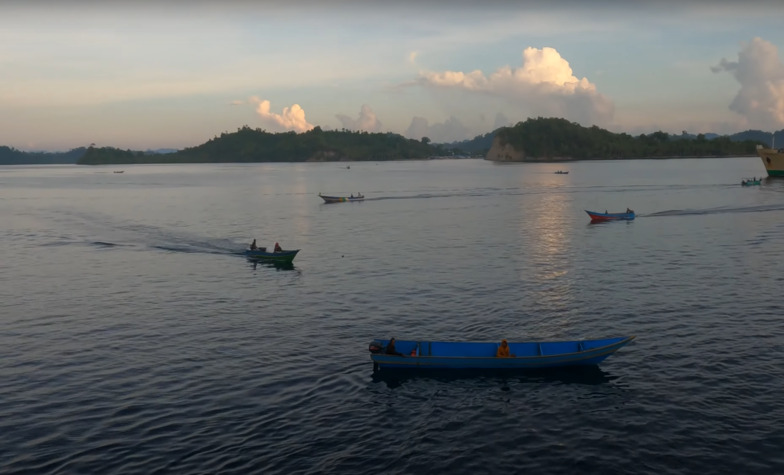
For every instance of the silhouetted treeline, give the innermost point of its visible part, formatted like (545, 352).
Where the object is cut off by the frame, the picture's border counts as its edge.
(552, 138)
(542, 138)
(12, 156)
(256, 145)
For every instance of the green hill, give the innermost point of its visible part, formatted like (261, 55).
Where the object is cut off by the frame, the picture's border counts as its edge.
(12, 156)
(256, 145)
(544, 139)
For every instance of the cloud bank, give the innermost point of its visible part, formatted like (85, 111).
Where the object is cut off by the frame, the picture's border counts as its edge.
(544, 86)
(760, 73)
(367, 120)
(451, 130)
(292, 118)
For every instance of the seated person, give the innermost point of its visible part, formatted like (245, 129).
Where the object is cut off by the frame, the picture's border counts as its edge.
(503, 350)
(253, 246)
(278, 248)
(391, 348)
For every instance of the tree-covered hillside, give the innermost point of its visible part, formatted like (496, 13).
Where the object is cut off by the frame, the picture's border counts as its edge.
(12, 156)
(256, 145)
(554, 139)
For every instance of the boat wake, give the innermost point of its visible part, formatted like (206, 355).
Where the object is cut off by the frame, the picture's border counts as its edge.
(719, 210)
(105, 232)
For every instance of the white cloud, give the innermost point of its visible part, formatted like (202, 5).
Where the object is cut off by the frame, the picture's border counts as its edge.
(544, 85)
(367, 120)
(760, 73)
(292, 118)
(451, 130)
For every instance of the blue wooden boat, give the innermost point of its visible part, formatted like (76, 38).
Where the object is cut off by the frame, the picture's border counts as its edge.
(341, 199)
(280, 257)
(599, 217)
(479, 355)
(751, 182)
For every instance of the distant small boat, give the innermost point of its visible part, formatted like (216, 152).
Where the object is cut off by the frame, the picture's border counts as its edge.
(562, 172)
(119, 171)
(479, 355)
(751, 181)
(280, 257)
(597, 217)
(341, 199)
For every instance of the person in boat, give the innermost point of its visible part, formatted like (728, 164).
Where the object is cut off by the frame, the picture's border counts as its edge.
(503, 350)
(253, 245)
(391, 348)
(629, 210)
(278, 248)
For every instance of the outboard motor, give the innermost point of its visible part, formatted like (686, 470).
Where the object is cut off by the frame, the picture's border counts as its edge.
(376, 347)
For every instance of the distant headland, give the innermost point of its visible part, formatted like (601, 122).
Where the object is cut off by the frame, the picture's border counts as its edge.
(535, 140)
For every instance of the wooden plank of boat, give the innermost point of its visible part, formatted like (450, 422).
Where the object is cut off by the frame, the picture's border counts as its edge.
(628, 216)
(281, 257)
(341, 199)
(481, 355)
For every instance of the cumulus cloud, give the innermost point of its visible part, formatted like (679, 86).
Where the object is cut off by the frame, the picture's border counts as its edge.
(544, 85)
(292, 118)
(367, 120)
(451, 130)
(760, 73)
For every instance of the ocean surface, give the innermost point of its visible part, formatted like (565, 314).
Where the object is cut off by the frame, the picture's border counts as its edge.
(136, 338)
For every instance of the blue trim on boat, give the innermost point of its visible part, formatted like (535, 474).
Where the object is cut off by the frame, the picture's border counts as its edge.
(468, 355)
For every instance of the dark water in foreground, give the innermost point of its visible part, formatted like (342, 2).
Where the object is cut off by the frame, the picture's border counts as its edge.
(135, 339)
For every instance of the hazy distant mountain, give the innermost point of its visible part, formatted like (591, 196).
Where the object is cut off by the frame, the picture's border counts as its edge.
(479, 144)
(766, 138)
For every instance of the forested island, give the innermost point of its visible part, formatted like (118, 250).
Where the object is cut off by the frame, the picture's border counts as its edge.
(540, 139)
(12, 156)
(551, 139)
(256, 145)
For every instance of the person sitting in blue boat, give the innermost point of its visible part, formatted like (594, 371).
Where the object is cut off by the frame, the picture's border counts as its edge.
(503, 350)
(253, 245)
(629, 210)
(278, 248)
(391, 348)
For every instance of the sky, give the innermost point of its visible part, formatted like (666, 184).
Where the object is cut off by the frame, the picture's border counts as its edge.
(145, 75)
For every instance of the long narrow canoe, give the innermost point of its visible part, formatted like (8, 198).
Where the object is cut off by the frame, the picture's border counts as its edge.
(610, 216)
(341, 199)
(280, 257)
(479, 355)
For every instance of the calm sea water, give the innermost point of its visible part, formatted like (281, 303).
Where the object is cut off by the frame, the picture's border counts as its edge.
(135, 338)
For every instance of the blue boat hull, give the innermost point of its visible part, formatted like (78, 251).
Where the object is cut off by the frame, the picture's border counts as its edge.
(471, 355)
